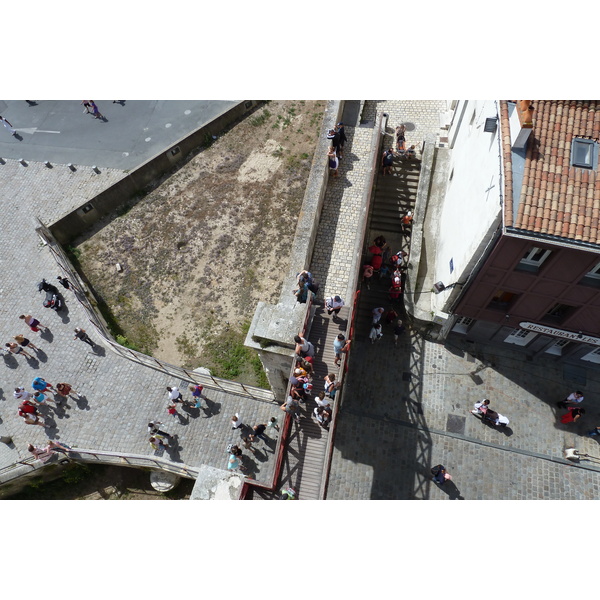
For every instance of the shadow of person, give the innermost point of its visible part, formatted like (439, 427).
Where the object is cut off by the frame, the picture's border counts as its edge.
(41, 356)
(33, 362)
(260, 456)
(63, 313)
(99, 350)
(47, 335)
(18, 136)
(10, 361)
(173, 451)
(81, 402)
(183, 420)
(212, 408)
(192, 411)
(449, 488)
(59, 409)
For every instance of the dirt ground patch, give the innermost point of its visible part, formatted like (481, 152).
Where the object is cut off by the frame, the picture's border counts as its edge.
(206, 244)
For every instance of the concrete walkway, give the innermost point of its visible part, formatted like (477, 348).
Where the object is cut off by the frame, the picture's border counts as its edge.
(119, 397)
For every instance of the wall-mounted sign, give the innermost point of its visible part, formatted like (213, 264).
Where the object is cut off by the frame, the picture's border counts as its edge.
(569, 335)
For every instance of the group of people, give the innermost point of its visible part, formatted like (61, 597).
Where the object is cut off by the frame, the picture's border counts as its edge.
(248, 436)
(337, 138)
(40, 396)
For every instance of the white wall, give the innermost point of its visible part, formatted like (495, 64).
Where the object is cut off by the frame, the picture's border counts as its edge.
(472, 200)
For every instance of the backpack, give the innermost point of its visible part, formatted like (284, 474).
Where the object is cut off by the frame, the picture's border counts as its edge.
(229, 448)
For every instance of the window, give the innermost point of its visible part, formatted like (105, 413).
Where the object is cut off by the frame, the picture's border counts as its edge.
(557, 347)
(520, 337)
(584, 153)
(462, 324)
(592, 277)
(533, 259)
(593, 356)
(558, 313)
(502, 300)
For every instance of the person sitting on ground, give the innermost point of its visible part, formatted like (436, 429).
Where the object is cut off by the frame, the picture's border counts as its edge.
(367, 274)
(573, 414)
(410, 153)
(572, 399)
(323, 416)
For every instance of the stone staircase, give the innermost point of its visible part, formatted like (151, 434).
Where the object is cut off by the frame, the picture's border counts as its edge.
(394, 196)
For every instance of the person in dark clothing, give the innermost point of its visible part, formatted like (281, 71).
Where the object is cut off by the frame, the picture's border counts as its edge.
(64, 282)
(258, 431)
(83, 336)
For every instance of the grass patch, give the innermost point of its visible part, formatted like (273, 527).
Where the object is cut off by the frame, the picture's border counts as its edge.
(260, 119)
(121, 339)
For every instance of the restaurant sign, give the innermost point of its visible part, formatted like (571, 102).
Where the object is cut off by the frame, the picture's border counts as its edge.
(569, 335)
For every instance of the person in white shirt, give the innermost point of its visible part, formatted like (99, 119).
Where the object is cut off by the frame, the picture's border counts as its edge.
(334, 305)
(480, 408)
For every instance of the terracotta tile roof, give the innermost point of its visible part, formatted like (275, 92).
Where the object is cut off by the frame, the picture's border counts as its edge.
(556, 198)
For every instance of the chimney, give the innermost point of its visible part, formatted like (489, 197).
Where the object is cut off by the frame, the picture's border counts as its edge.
(521, 123)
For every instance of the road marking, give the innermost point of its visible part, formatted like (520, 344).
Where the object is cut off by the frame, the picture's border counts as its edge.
(32, 130)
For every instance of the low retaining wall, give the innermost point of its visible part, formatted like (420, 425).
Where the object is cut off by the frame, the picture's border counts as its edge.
(66, 229)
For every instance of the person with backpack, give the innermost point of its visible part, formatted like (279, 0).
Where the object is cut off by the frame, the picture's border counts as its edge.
(387, 161)
(41, 385)
(303, 347)
(197, 395)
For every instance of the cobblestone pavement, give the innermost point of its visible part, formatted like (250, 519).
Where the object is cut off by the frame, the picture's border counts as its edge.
(118, 396)
(341, 212)
(406, 409)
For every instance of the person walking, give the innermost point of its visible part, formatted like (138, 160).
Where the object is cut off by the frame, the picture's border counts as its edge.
(86, 106)
(321, 400)
(64, 282)
(21, 393)
(65, 390)
(172, 410)
(29, 413)
(398, 331)
(34, 324)
(375, 333)
(258, 431)
(334, 305)
(154, 428)
(197, 395)
(331, 385)
(80, 334)
(377, 313)
(440, 475)
(338, 345)
(175, 395)
(387, 161)
(273, 423)
(95, 110)
(247, 443)
(16, 349)
(236, 421)
(39, 384)
(157, 441)
(8, 125)
(25, 342)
